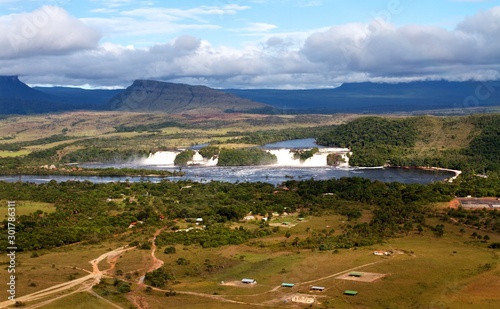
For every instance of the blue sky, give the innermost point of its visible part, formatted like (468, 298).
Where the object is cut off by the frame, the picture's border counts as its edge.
(249, 44)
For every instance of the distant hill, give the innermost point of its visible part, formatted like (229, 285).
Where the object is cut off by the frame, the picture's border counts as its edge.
(18, 98)
(12, 87)
(378, 97)
(86, 98)
(148, 95)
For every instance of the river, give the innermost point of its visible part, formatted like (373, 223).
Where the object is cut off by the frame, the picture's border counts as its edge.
(274, 174)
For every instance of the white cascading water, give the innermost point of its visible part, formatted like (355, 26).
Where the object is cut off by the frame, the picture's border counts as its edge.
(168, 157)
(161, 158)
(199, 160)
(285, 157)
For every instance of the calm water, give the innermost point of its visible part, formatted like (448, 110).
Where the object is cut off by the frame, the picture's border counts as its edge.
(296, 143)
(273, 175)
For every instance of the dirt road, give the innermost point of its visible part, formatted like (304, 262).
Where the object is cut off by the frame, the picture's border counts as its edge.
(74, 286)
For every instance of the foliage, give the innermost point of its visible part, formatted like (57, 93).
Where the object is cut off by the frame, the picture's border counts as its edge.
(184, 157)
(334, 159)
(485, 147)
(378, 141)
(159, 277)
(373, 140)
(483, 219)
(84, 214)
(169, 250)
(213, 236)
(209, 152)
(42, 141)
(245, 157)
(273, 136)
(303, 155)
(95, 154)
(153, 127)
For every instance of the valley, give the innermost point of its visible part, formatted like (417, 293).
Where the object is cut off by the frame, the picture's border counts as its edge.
(207, 235)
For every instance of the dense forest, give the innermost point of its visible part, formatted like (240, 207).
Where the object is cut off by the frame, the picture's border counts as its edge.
(377, 141)
(245, 157)
(91, 212)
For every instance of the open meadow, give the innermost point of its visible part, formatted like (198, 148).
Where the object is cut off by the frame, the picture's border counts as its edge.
(423, 270)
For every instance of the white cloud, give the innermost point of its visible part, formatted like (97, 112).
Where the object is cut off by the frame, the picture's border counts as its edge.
(48, 30)
(375, 51)
(258, 27)
(410, 50)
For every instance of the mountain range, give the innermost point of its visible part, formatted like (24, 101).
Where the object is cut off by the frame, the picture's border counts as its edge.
(381, 98)
(155, 96)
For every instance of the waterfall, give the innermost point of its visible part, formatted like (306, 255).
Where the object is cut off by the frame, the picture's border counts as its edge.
(161, 158)
(285, 157)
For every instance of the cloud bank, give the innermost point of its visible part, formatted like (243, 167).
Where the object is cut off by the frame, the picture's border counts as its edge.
(49, 46)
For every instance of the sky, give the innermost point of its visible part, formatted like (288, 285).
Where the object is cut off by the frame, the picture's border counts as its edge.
(284, 44)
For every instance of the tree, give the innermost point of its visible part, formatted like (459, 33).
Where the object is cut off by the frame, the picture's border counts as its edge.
(158, 277)
(169, 250)
(439, 230)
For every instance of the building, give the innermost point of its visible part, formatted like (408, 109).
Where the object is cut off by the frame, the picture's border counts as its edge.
(287, 285)
(350, 292)
(248, 281)
(355, 274)
(317, 288)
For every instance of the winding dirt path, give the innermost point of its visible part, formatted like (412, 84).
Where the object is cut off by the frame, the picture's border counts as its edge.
(84, 283)
(138, 300)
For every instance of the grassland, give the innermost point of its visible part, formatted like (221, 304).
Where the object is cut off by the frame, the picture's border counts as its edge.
(14, 153)
(103, 124)
(439, 134)
(26, 208)
(452, 271)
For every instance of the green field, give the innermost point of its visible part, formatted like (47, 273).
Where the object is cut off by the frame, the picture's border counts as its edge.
(424, 271)
(26, 208)
(14, 153)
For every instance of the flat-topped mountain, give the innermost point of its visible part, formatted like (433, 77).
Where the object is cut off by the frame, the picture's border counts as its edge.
(148, 95)
(12, 88)
(18, 98)
(377, 98)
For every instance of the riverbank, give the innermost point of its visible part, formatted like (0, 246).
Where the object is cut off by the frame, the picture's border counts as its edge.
(92, 172)
(441, 169)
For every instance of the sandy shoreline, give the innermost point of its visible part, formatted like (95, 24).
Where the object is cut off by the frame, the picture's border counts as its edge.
(451, 179)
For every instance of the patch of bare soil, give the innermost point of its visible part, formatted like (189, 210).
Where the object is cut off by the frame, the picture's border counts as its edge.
(365, 277)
